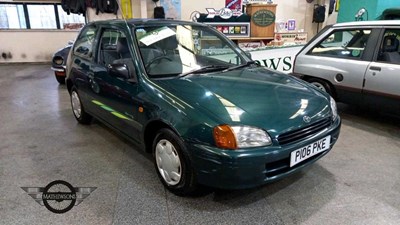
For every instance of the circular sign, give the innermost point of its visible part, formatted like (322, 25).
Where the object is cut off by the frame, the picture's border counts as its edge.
(225, 13)
(59, 196)
(263, 18)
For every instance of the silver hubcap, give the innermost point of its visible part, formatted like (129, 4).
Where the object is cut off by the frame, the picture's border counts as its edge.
(168, 162)
(76, 104)
(319, 86)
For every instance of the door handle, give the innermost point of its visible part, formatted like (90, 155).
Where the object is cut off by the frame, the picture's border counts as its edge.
(375, 68)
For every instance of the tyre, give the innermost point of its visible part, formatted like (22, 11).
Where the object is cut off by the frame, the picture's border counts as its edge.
(173, 164)
(77, 108)
(60, 79)
(322, 85)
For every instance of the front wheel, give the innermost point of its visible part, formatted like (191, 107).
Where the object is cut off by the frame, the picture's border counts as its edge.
(172, 163)
(77, 108)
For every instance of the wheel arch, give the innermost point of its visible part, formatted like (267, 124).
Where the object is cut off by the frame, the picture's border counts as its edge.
(151, 130)
(332, 87)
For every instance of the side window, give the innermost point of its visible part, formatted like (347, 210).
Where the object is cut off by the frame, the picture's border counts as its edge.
(84, 43)
(113, 46)
(389, 47)
(343, 44)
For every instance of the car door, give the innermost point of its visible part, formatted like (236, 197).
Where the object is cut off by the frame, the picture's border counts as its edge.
(340, 57)
(116, 96)
(382, 79)
(83, 52)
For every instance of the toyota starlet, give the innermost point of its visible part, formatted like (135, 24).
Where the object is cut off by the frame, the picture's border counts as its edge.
(208, 113)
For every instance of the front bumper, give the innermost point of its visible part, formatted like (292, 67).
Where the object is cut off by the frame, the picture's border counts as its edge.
(237, 169)
(59, 70)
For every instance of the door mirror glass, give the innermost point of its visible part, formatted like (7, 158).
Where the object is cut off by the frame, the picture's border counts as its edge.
(118, 70)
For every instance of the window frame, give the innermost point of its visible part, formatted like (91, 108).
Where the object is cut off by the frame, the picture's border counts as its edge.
(26, 15)
(363, 55)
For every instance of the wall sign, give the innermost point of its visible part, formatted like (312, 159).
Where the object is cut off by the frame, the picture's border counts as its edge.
(235, 5)
(263, 18)
(224, 13)
(233, 29)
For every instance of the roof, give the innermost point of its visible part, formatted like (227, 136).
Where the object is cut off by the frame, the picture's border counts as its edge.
(141, 22)
(369, 23)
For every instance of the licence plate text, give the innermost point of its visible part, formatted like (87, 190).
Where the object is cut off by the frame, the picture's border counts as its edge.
(310, 150)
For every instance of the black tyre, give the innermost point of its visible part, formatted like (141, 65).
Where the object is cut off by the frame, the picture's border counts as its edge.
(60, 79)
(173, 164)
(77, 108)
(322, 85)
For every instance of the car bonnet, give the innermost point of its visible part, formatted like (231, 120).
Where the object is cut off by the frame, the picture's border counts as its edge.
(255, 97)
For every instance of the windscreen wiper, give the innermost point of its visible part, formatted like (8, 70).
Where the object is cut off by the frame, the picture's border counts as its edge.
(202, 69)
(248, 63)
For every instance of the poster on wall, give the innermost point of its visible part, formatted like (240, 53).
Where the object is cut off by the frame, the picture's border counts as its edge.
(172, 9)
(337, 5)
(233, 30)
(234, 5)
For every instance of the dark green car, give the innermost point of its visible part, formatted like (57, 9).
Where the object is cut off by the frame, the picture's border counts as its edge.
(199, 104)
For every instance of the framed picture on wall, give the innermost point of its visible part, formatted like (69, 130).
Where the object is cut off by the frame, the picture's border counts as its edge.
(337, 5)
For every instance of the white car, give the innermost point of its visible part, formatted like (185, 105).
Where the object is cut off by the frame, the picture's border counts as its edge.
(356, 63)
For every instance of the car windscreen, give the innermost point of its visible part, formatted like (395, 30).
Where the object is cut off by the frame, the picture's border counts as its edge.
(174, 50)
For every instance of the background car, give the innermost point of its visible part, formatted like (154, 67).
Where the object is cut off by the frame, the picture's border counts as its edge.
(58, 62)
(356, 63)
(208, 113)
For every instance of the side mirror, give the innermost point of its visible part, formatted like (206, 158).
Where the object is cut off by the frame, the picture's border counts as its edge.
(119, 70)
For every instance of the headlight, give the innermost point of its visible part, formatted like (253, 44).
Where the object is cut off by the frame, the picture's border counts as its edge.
(234, 137)
(334, 109)
(58, 60)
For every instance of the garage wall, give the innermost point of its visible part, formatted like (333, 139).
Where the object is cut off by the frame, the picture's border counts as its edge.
(32, 46)
(39, 45)
(19, 46)
(299, 10)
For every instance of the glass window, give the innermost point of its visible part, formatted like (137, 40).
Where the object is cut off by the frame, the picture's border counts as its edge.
(343, 44)
(389, 47)
(84, 43)
(109, 52)
(38, 16)
(12, 16)
(42, 16)
(71, 21)
(183, 49)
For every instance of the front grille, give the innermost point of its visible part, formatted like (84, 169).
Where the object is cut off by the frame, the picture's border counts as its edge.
(295, 135)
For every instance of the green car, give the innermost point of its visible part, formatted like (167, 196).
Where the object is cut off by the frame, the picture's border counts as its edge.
(187, 94)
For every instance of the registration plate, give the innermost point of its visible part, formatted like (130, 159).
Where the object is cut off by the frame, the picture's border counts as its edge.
(310, 150)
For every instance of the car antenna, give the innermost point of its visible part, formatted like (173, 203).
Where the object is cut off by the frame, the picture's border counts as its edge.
(123, 17)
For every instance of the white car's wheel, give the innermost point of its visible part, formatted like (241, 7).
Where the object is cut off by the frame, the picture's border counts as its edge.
(322, 85)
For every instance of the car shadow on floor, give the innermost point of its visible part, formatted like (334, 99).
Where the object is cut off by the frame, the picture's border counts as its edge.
(369, 119)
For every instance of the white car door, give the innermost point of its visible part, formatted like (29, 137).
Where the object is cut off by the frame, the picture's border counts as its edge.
(382, 78)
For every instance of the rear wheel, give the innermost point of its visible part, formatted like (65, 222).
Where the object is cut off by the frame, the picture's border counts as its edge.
(77, 108)
(172, 163)
(322, 85)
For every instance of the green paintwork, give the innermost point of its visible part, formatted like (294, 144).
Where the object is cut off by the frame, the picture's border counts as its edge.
(193, 105)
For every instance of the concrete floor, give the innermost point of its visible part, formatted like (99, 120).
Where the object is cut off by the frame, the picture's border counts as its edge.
(358, 182)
